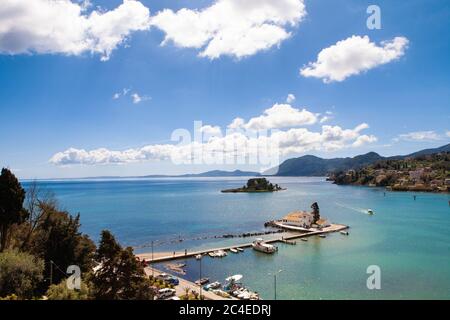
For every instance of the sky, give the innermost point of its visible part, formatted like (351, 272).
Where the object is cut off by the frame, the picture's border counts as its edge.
(99, 88)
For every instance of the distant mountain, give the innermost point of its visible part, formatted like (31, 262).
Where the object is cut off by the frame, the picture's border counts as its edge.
(220, 173)
(315, 166)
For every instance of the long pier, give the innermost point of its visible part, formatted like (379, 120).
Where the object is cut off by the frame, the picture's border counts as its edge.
(287, 236)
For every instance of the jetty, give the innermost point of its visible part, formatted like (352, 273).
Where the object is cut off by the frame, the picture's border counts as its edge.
(287, 237)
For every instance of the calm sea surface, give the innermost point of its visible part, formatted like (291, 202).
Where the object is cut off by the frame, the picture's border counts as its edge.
(409, 240)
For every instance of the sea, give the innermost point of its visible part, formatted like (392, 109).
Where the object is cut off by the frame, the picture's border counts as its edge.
(405, 244)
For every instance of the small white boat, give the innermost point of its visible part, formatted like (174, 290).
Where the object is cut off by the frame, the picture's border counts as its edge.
(345, 233)
(198, 257)
(220, 253)
(304, 239)
(213, 286)
(240, 249)
(234, 250)
(261, 246)
(322, 236)
(211, 254)
(370, 211)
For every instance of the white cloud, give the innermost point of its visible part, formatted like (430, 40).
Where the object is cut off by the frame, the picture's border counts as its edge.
(235, 142)
(419, 136)
(236, 123)
(138, 98)
(281, 116)
(64, 26)
(290, 98)
(211, 130)
(231, 27)
(447, 134)
(324, 119)
(364, 139)
(116, 96)
(353, 56)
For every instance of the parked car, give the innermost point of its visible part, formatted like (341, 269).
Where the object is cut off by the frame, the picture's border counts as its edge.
(168, 279)
(166, 293)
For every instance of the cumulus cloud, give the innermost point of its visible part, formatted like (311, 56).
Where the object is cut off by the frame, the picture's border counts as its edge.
(419, 136)
(211, 130)
(290, 98)
(352, 56)
(65, 26)
(281, 116)
(231, 27)
(241, 139)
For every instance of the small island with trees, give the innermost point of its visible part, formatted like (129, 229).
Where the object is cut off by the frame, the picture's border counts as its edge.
(256, 185)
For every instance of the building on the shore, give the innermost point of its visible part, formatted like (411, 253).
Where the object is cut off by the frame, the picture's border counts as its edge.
(298, 219)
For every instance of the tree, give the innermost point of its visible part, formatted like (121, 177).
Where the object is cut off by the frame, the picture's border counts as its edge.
(20, 274)
(57, 239)
(62, 292)
(119, 275)
(316, 211)
(12, 196)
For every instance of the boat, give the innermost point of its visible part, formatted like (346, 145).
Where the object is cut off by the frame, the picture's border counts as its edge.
(322, 236)
(240, 249)
(234, 250)
(198, 257)
(211, 254)
(370, 211)
(212, 286)
(345, 233)
(202, 281)
(261, 246)
(220, 253)
(304, 239)
(221, 293)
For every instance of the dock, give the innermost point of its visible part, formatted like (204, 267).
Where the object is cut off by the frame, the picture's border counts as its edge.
(287, 238)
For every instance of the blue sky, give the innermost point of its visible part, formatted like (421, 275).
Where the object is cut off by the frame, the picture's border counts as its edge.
(52, 102)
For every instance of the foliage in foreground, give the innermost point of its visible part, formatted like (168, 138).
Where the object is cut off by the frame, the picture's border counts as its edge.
(20, 274)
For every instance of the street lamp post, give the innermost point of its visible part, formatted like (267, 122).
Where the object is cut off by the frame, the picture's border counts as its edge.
(153, 271)
(200, 279)
(275, 282)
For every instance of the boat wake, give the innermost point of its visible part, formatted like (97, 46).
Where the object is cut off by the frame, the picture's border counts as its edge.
(355, 209)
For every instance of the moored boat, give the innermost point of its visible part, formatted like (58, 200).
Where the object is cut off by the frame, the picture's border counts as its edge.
(212, 286)
(234, 250)
(304, 239)
(345, 233)
(369, 211)
(322, 236)
(220, 253)
(261, 246)
(240, 249)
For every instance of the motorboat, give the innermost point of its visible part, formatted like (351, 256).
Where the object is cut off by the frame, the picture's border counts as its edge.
(198, 257)
(212, 286)
(211, 254)
(261, 246)
(234, 250)
(369, 211)
(345, 233)
(322, 236)
(304, 239)
(220, 253)
(240, 249)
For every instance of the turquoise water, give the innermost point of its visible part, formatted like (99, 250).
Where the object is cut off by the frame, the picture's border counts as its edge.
(409, 240)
